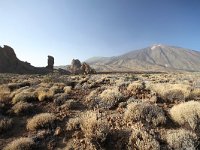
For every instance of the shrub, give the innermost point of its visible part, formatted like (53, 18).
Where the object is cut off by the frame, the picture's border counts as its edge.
(67, 89)
(44, 95)
(110, 97)
(135, 87)
(73, 123)
(56, 89)
(14, 86)
(186, 113)
(43, 120)
(24, 96)
(140, 139)
(92, 127)
(5, 123)
(181, 139)
(21, 144)
(195, 94)
(22, 107)
(5, 97)
(93, 94)
(171, 92)
(145, 112)
(60, 98)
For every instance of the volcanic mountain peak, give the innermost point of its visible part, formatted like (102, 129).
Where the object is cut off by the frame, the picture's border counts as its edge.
(156, 46)
(157, 57)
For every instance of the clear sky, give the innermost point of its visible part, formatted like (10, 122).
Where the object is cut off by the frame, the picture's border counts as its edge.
(68, 29)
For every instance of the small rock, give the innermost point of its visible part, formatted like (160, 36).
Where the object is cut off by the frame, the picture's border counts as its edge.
(58, 131)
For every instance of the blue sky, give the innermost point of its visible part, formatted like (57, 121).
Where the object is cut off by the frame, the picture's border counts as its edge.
(82, 29)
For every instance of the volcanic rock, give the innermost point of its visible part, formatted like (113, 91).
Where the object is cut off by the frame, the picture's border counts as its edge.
(50, 62)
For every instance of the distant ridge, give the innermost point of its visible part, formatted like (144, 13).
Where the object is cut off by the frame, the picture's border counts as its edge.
(157, 57)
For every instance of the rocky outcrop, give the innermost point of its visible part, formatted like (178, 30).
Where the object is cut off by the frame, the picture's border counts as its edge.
(9, 63)
(50, 62)
(87, 69)
(78, 68)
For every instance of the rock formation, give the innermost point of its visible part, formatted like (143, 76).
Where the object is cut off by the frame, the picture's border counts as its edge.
(78, 68)
(50, 62)
(9, 63)
(87, 69)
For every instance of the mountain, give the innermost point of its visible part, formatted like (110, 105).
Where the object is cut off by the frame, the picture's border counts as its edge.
(154, 58)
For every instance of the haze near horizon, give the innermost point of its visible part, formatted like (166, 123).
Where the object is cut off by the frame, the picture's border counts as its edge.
(68, 29)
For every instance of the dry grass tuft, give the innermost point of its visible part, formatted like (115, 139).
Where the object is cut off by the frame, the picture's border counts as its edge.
(140, 139)
(21, 144)
(186, 113)
(5, 123)
(181, 139)
(145, 112)
(22, 107)
(171, 92)
(43, 120)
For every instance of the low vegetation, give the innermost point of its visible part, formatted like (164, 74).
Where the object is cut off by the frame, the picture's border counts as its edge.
(5, 123)
(21, 144)
(187, 113)
(43, 120)
(182, 139)
(144, 112)
(102, 111)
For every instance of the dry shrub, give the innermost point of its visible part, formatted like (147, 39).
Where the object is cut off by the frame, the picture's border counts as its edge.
(60, 98)
(21, 90)
(5, 123)
(22, 107)
(43, 120)
(67, 89)
(24, 96)
(171, 92)
(56, 89)
(110, 97)
(69, 104)
(44, 95)
(140, 139)
(5, 97)
(181, 139)
(135, 87)
(92, 127)
(14, 86)
(20, 144)
(195, 94)
(73, 124)
(81, 144)
(93, 94)
(145, 112)
(186, 113)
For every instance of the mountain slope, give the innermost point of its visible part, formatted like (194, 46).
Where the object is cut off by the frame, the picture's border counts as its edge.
(154, 58)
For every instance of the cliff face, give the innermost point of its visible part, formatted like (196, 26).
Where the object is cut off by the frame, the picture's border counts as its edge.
(9, 63)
